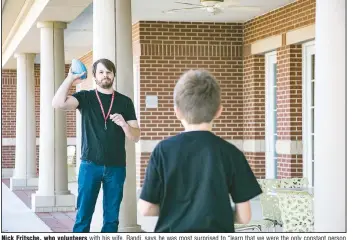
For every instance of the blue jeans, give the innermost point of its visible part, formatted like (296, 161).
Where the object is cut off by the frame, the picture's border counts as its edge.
(90, 178)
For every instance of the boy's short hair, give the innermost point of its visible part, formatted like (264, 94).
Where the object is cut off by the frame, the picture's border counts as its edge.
(197, 95)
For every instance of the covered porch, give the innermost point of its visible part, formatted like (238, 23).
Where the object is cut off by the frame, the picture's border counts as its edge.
(281, 66)
(18, 203)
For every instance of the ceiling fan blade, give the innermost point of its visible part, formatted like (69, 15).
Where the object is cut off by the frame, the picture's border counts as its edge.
(181, 9)
(189, 4)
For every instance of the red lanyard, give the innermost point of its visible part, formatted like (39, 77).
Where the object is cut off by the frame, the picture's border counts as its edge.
(110, 108)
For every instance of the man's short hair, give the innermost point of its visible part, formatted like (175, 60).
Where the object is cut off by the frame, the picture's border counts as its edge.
(107, 64)
(197, 95)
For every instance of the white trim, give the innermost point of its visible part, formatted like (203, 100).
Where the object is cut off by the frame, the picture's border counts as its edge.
(12, 141)
(266, 45)
(300, 35)
(238, 143)
(254, 146)
(289, 147)
(28, 16)
(307, 49)
(148, 145)
(270, 59)
(9, 142)
(56, 203)
(7, 172)
(70, 141)
(23, 183)
(144, 146)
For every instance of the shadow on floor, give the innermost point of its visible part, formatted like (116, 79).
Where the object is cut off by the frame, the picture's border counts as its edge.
(56, 221)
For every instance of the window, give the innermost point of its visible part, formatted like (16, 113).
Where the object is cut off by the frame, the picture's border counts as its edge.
(271, 114)
(308, 111)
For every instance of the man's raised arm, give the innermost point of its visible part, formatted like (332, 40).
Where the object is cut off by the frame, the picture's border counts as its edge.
(61, 99)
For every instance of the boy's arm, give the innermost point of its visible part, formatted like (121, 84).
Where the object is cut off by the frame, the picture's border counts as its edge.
(244, 187)
(147, 208)
(242, 213)
(150, 198)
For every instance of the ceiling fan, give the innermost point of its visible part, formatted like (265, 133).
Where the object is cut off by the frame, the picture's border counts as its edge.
(213, 6)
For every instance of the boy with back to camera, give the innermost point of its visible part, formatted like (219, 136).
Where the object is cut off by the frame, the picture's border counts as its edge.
(189, 176)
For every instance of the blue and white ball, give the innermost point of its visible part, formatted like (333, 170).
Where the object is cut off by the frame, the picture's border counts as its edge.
(77, 67)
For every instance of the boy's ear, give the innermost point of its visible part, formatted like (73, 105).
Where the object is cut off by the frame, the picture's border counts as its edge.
(219, 112)
(177, 113)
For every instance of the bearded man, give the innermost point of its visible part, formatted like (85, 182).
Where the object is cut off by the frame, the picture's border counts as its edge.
(107, 118)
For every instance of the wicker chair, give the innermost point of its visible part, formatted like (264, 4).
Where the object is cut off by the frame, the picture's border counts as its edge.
(269, 206)
(293, 183)
(296, 211)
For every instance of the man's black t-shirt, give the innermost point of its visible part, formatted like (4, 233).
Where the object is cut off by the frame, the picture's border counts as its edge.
(190, 176)
(103, 147)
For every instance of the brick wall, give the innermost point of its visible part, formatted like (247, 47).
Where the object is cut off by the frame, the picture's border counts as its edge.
(8, 114)
(289, 92)
(166, 50)
(299, 14)
(9, 89)
(87, 60)
(289, 107)
(160, 49)
(295, 15)
(254, 109)
(70, 115)
(8, 103)
(254, 97)
(257, 163)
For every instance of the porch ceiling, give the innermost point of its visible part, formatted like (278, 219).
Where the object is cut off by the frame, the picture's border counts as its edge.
(153, 10)
(78, 35)
(26, 38)
(10, 10)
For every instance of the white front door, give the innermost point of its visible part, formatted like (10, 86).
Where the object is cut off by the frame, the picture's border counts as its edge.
(271, 114)
(308, 111)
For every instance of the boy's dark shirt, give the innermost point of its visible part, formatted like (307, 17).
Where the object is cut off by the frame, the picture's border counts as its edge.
(191, 176)
(103, 147)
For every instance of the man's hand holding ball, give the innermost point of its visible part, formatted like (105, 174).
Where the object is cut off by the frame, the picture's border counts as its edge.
(77, 72)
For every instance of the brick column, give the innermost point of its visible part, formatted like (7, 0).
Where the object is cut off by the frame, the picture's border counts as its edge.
(289, 111)
(254, 113)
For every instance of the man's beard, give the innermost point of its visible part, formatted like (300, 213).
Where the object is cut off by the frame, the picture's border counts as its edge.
(105, 84)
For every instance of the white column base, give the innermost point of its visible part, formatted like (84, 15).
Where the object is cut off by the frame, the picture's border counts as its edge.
(136, 228)
(7, 172)
(58, 203)
(23, 183)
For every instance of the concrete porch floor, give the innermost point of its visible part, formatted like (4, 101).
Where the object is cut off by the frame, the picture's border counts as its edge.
(18, 217)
